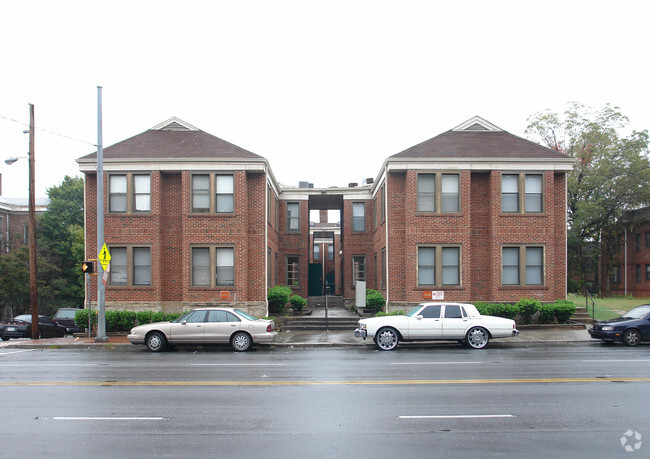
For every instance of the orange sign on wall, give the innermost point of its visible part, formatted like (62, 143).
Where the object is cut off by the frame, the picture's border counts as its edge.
(225, 295)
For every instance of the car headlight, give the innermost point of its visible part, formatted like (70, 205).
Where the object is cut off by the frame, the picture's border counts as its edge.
(363, 326)
(608, 327)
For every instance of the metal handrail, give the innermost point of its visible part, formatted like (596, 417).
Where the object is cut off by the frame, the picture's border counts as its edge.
(593, 305)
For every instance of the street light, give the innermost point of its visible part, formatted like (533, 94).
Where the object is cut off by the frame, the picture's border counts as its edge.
(31, 231)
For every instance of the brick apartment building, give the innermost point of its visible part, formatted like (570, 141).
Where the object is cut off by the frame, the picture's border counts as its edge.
(473, 214)
(14, 219)
(628, 273)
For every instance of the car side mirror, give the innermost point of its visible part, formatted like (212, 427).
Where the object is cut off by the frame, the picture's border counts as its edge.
(184, 322)
(419, 317)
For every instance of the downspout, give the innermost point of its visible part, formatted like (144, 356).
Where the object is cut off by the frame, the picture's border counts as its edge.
(266, 237)
(385, 203)
(566, 236)
(625, 262)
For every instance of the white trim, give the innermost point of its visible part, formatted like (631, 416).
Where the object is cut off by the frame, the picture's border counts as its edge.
(486, 125)
(174, 120)
(482, 164)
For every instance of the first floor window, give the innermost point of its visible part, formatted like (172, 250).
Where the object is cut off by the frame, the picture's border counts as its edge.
(522, 265)
(213, 266)
(358, 268)
(438, 265)
(130, 266)
(647, 272)
(293, 271)
(638, 273)
(616, 275)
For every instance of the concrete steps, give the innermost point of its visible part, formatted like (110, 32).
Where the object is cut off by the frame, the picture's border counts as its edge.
(320, 323)
(581, 316)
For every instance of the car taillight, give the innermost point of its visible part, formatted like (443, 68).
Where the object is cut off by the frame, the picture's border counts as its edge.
(269, 327)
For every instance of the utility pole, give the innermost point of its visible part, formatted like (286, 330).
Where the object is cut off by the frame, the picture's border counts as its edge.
(31, 231)
(101, 289)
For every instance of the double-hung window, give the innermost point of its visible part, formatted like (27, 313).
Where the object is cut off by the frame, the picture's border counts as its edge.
(358, 268)
(213, 266)
(439, 266)
(438, 192)
(213, 193)
(531, 200)
(130, 266)
(293, 271)
(523, 265)
(129, 193)
(358, 216)
(293, 216)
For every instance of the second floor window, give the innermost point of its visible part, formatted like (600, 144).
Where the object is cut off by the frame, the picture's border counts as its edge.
(358, 216)
(213, 193)
(293, 216)
(531, 200)
(129, 193)
(438, 192)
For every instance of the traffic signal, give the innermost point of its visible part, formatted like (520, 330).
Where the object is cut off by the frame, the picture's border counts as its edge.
(87, 267)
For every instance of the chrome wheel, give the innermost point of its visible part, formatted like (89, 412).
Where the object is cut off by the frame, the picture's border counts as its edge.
(241, 341)
(631, 337)
(387, 339)
(156, 342)
(477, 338)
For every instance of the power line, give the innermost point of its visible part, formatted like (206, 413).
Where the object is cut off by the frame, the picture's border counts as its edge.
(49, 132)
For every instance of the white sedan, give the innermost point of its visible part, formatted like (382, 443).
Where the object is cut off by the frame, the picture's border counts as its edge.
(436, 321)
(206, 326)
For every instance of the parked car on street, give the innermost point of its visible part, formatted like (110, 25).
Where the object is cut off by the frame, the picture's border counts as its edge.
(631, 328)
(206, 326)
(65, 318)
(21, 327)
(436, 321)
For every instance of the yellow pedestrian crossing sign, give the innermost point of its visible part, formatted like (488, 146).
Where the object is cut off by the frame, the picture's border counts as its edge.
(104, 256)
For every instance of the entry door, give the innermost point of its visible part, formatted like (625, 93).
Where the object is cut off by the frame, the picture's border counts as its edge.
(315, 287)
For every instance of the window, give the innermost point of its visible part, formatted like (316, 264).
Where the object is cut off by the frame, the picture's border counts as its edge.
(293, 216)
(358, 268)
(431, 312)
(130, 266)
(316, 252)
(522, 266)
(438, 191)
(647, 272)
(452, 311)
(531, 200)
(637, 240)
(213, 266)
(213, 193)
(647, 240)
(358, 216)
(438, 265)
(616, 274)
(638, 273)
(293, 271)
(129, 193)
(383, 268)
(330, 251)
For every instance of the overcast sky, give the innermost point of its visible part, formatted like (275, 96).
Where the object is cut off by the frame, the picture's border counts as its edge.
(326, 90)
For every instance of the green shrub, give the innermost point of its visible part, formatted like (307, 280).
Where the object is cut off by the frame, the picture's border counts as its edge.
(278, 297)
(393, 313)
(298, 302)
(375, 300)
(564, 309)
(143, 317)
(547, 313)
(509, 311)
(81, 318)
(527, 308)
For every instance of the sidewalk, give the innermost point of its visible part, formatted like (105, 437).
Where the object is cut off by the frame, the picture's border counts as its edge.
(310, 338)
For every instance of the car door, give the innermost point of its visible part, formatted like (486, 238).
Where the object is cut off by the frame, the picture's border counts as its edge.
(219, 326)
(190, 330)
(47, 327)
(454, 322)
(645, 328)
(426, 324)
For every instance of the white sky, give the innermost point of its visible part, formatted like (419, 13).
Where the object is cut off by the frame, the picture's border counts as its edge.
(325, 90)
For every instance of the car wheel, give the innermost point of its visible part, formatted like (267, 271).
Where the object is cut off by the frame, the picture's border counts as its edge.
(477, 338)
(40, 334)
(387, 339)
(631, 337)
(241, 341)
(4, 338)
(156, 342)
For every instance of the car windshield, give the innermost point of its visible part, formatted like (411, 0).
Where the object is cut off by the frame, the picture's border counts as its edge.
(637, 313)
(65, 314)
(183, 317)
(246, 315)
(24, 318)
(414, 310)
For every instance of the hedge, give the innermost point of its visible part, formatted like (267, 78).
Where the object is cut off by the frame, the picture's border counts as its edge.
(124, 320)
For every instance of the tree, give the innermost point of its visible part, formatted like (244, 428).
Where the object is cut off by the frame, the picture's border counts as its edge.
(611, 174)
(60, 245)
(14, 281)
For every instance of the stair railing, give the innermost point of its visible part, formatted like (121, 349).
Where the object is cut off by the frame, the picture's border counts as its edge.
(593, 305)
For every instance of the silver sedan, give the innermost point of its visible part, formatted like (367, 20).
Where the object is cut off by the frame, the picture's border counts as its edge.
(206, 326)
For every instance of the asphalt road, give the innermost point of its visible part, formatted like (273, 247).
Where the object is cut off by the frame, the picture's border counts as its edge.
(575, 400)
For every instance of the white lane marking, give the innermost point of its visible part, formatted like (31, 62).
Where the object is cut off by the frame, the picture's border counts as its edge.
(49, 365)
(460, 416)
(16, 352)
(238, 364)
(436, 363)
(108, 418)
(616, 360)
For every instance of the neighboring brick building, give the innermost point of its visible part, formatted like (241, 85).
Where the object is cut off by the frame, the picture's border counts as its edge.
(629, 272)
(474, 214)
(14, 219)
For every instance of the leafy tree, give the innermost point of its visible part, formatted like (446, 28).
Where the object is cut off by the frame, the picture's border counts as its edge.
(14, 281)
(60, 245)
(611, 174)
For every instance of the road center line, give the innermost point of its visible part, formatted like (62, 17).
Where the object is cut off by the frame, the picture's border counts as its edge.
(403, 382)
(16, 352)
(106, 418)
(460, 416)
(238, 364)
(436, 363)
(617, 361)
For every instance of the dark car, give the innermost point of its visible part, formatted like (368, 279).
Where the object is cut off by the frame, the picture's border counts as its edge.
(631, 328)
(65, 318)
(21, 327)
